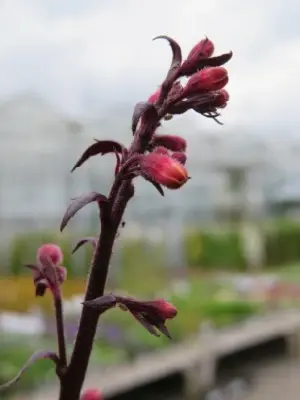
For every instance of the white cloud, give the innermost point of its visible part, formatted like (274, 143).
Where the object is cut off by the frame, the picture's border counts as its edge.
(81, 54)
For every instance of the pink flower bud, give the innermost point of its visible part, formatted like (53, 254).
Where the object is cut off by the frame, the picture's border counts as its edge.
(164, 170)
(221, 99)
(160, 150)
(213, 78)
(170, 142)
(92, 394)
(154, 97)
(203, 49)
(179, 156)
(165, 309)
(50, 251)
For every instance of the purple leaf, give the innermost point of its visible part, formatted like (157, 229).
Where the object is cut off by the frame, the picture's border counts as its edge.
(81, 242)
(164, 330)
(150, 328)
(102, 303)
(138, 111)
(156, 185)
(100, 147)
(142, 109)
(41, 355)
(78, 203)
(189, 68)
(177, 57)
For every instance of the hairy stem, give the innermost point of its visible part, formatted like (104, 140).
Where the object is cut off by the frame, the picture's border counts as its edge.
(60, 330)
(120, 194)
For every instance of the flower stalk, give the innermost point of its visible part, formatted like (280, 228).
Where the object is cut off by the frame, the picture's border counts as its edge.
(161, 160)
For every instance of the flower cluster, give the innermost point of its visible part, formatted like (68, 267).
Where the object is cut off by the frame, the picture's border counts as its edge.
(162, 161)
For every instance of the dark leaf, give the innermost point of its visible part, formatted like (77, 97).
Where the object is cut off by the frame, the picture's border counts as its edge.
(174, 69)
(218, 60)
(150, 328)
(41, 355)
(177, 56)
(188, 68)
(156, 185)
(78, 203)
(164, 330)
(138, 111)
(100, 147)
(150, 123)
(102, 303)
(81, 242)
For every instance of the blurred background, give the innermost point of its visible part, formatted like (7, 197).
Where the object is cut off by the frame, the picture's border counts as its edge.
(223, 249)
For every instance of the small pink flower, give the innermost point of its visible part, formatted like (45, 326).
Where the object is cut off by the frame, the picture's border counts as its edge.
(50, 251)
(47, 272)
(164, 170)
(92, 394)
(213, 78)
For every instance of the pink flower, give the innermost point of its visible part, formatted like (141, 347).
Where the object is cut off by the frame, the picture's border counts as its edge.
(203, 49)
(47, 272)
(50, 251)
(92, 394)
(163, 170)
(213, 78)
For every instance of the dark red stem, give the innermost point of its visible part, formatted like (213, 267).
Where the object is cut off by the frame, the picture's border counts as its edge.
(60, 330)
(120, 194)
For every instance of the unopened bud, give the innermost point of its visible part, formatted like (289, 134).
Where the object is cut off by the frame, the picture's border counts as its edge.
(170, 142)
(203, 49)
(221, 99)
(208, 79)
(165, 309)
(164, 170)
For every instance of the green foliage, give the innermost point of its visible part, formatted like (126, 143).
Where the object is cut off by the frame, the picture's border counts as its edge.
(215, 250)
(223, 249)
(282, 244)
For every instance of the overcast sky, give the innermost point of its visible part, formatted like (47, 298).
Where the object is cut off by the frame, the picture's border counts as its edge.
(82, 55)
